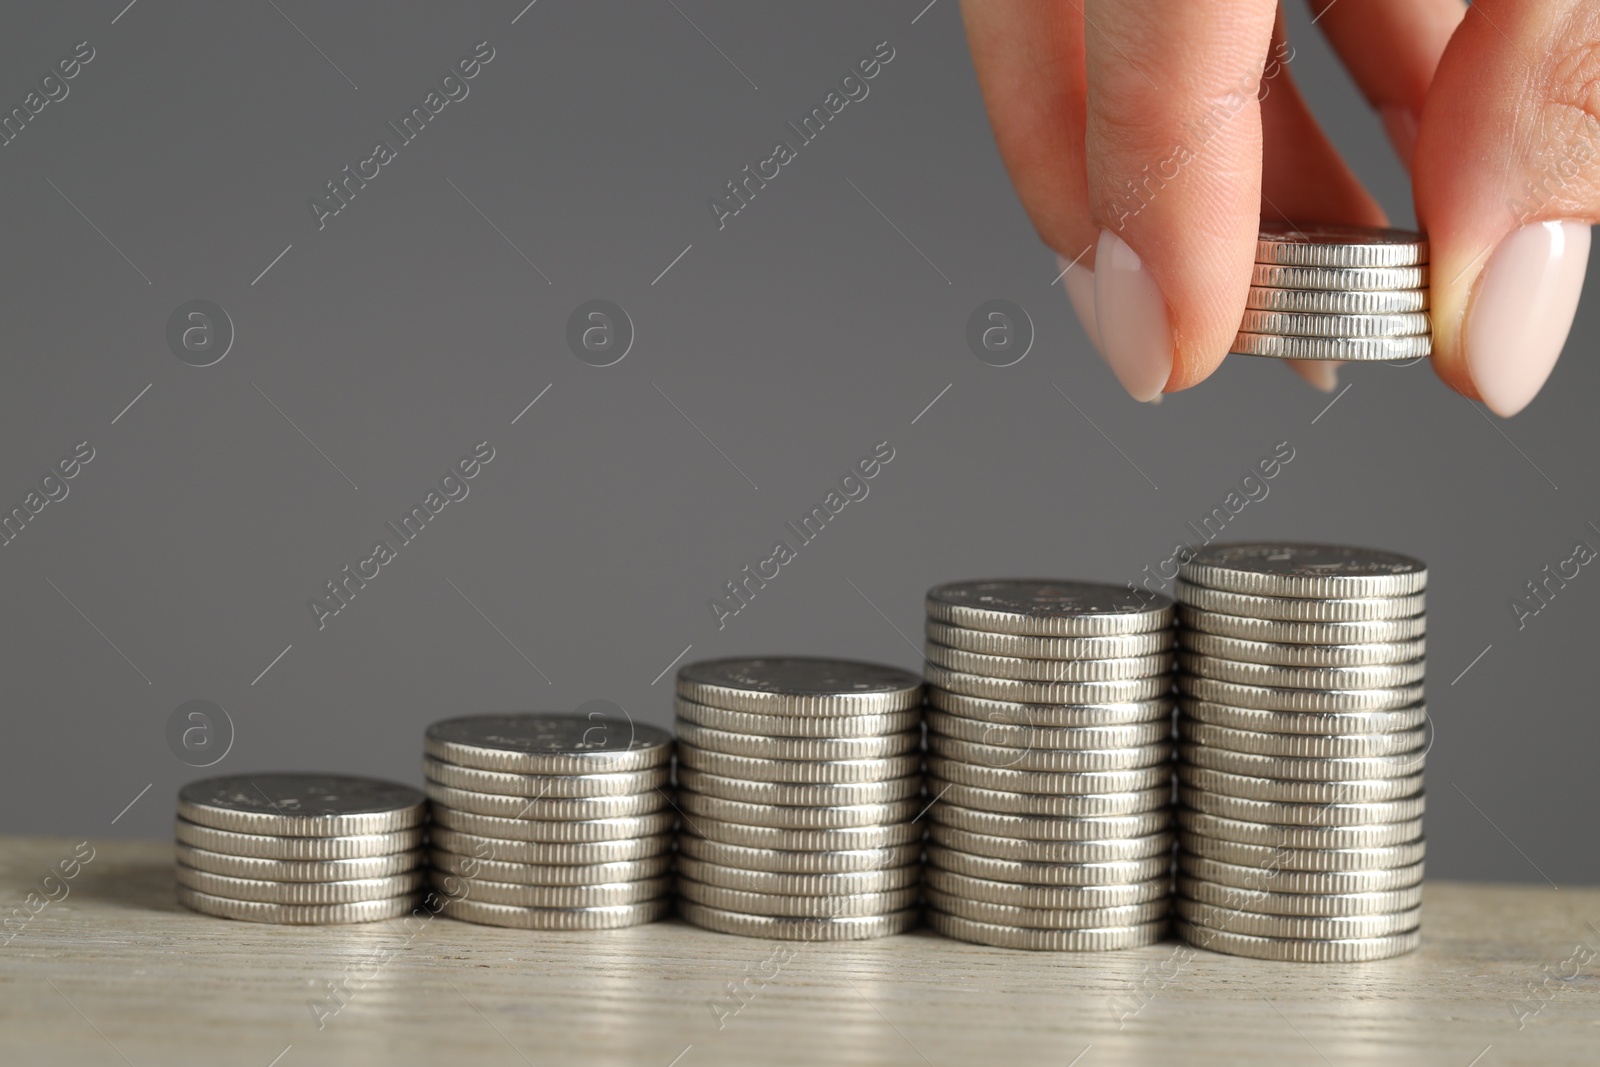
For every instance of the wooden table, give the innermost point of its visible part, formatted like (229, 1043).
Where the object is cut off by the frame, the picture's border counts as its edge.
(115, 972)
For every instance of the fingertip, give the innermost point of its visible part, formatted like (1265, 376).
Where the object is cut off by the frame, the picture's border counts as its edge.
(1321, 374)
(1131, 313)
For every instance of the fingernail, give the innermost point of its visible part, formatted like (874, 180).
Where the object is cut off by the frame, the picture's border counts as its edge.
(1131, 313)
(1400, 123)
(1079, 283)
(1521, 312)
(1322, 374)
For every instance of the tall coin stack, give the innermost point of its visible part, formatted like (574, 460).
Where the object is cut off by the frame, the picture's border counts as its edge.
(1302, 736)
(799, 781)
(1322, 291)
(1049, 764)
(550, 821)
(302, 849)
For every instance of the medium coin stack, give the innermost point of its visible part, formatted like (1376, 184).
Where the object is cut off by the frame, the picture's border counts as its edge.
(1322, 291)
(799, 781)
(302, 849)
(1049, 764)
(550, 821)
(1302, 736)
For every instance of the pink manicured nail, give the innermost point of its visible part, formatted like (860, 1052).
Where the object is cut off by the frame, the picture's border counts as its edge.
(1401, 126)
(1135, 332)
(1321, 374)
(1079, 283)
(1520, 314)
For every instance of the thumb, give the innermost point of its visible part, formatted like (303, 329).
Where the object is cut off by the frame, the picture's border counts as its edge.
(1507, 182)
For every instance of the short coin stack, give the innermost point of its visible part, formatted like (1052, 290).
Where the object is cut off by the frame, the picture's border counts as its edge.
(550, 821)
(800, 785)
(302, 849)
(1302, 734)
(1322, 291)
(1049, 764)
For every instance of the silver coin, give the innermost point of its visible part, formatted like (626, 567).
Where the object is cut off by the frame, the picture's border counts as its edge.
(1047, 918)
(1052, 897)
(800, 794)
(1298, 769)
(1045, 607)
(353, 891)
(1069, 784)
(1325, 244)
(1251, 788)
(1110, 850)
(1354, 950)
(298, 914)
(1269, 698)
(1261, 879)
(799, 818)
(548, 743)
(1111, 646)
(1370, 835)
(565, 808)
(301, 805)
(567, 831)
(545, 852)
(846, 839)
(1102, 940)
(1303, 324)
(744, 722)
(1047, 828)
(799, 748)
(548, 874)
(1387, 857)
(272, 847)
(1339, 279)
(1050, 716)
(1308, 904)
(747, 902)
(1338, 302)
(1301, 745)
(1053, 760)
(1300, 609)
(1055, 738)
(1305, 571)
(299, 870)
(1287, 655)
(1280, 812)
(800, 686)
(794, 861)
(802, 771)
(801, 885)
(977, 685)
(517, 895)
(1376, 676)
(552, 786)
(1048, 670)
(1410, 717)
(1044, 804)
(854, 928)
(1027, 872)
(1347, 349)
(612, 917)
(1288, 631)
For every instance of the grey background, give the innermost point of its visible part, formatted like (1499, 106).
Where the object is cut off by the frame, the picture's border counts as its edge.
(807, 330)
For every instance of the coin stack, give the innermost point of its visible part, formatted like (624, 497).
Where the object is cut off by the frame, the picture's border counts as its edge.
(800, 785)
(1049, 764)
(1322, 291)
(550, 821)
(302, 849)
(1302, 736)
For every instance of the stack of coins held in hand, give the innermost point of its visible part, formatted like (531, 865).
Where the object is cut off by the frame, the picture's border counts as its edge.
(1049, 764)
(303, 849)
(799, 785)
(1337, 292)
(550, 821)
(1302, 736)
